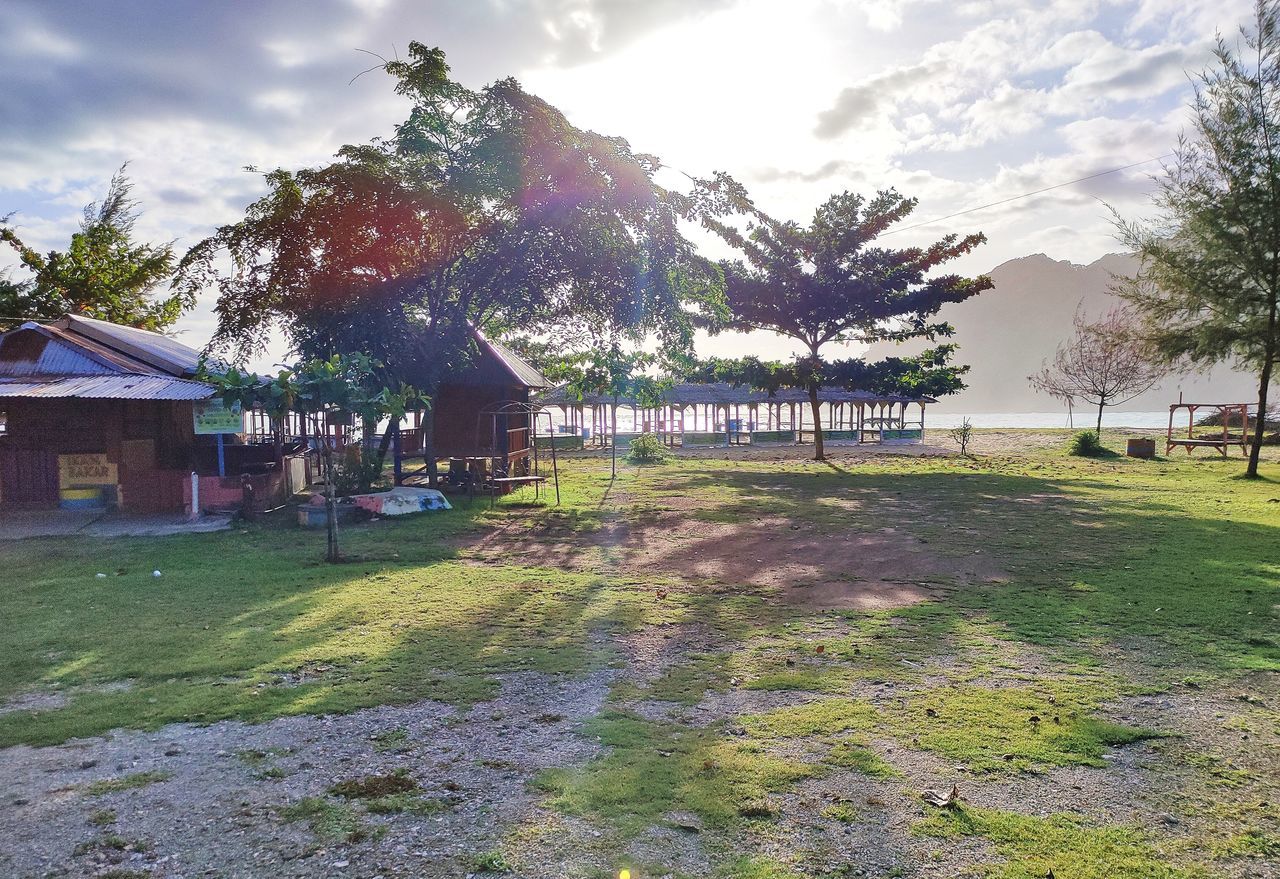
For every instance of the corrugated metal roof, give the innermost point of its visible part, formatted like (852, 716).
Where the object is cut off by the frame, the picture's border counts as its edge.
(157, 351)
(32, 352)
(107, 387)
(721, 393)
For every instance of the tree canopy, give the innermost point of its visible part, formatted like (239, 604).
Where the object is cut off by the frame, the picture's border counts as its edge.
(104, 273)
(829, 282)
(486, 209)
(1208, 286)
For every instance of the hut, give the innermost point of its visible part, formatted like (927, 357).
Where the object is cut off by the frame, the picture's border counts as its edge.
(98, 414)
(95, 412)
(718, 413)
(480, 420)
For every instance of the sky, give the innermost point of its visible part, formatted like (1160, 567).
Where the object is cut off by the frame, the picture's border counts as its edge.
(957, 103)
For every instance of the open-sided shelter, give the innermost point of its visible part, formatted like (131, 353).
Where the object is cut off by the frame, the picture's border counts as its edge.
(711, 413)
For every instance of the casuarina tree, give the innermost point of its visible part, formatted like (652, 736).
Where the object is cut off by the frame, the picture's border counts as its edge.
(104, 272)
(1208, 284)
(830, 282)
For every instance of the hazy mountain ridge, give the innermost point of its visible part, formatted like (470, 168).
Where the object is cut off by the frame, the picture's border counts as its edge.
(1008, 333)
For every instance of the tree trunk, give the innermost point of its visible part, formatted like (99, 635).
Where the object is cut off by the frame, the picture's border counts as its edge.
(1259, 428)
(1100, 408)
(818, 451)
(331, 554)
(384, 444)
(613, 446)
(429, 447)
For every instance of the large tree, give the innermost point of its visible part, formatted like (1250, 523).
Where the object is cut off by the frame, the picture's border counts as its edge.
(829, 282)
(486, 209)
(103, 273)
(1208, 285)
(1106, 362)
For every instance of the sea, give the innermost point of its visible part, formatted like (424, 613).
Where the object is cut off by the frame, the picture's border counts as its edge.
(1080, 419)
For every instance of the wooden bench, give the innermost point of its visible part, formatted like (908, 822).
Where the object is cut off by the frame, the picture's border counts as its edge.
(517, 481)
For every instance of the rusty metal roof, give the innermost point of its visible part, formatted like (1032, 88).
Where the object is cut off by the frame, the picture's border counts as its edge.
(106, 387)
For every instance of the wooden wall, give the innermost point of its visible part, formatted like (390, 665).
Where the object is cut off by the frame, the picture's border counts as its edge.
(146, 444)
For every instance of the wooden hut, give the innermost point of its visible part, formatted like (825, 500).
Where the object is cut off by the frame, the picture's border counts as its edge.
(470, 421)
(93, 411)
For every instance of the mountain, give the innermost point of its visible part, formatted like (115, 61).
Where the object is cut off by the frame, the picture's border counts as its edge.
(1008, 333)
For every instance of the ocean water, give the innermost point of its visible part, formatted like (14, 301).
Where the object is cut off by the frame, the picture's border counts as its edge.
(1081, 419)
(934, 420)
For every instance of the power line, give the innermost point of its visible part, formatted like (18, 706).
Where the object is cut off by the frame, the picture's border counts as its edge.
(983, 207)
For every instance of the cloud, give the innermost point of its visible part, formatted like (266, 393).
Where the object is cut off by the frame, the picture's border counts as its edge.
(583, 30)
(864, 101)
(825, 171)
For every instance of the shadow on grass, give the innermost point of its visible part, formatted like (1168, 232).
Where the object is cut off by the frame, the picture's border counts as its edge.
(1092, 560)
(251, 624)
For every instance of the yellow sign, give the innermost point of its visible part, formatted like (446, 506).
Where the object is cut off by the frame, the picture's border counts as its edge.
(213, 416)
(77, 470)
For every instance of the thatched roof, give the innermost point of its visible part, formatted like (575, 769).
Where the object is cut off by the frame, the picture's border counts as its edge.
(722, 393)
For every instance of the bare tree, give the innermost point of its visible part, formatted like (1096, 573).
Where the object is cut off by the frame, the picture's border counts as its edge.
(1104, 363)
(961, 435)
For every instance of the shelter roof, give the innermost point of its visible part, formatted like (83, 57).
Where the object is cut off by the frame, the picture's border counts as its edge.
(723, 393)
(77, 357)
(129, 386)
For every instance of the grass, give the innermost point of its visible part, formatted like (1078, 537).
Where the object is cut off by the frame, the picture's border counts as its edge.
(1061, 845)
(329, 820)
(654, 768)
(126, 782)
(1115, 577)
(1013, 727)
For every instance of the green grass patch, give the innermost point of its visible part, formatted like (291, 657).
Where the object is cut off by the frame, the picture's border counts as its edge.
(756, 867)
(1061, 844)
(406, 803)
(329, 820)
(652, 768)
(823, 717)
(132, 781)
(1012, 727)
(391, 741)
(374, 786)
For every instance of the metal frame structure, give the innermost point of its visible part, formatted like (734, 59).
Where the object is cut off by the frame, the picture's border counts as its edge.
(499, 412)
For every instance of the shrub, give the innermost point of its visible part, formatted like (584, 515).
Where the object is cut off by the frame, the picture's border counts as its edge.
(647, 449)
(354, 472)
(1087, 444)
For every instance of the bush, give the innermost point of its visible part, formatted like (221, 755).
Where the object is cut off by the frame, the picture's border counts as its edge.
(1087, 444)
(353, 473)
(647, 449)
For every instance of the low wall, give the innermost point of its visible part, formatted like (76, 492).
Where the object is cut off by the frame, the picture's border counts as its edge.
(773, 436)
(691, 438)
(563, 442)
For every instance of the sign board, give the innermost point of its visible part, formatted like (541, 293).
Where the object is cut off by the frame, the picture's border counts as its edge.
(213, 416)
(85, 470)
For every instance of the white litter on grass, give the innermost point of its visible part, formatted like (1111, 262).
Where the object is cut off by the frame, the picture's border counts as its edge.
(100, 574)
(155, 573)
